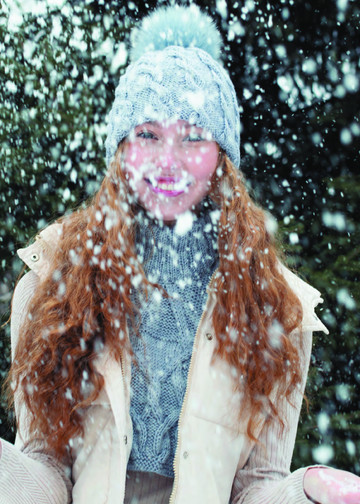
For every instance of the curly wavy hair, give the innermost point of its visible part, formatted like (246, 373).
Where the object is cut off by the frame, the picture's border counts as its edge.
(84, 303)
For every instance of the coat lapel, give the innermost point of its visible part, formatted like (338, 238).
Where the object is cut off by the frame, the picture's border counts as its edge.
(114, 388)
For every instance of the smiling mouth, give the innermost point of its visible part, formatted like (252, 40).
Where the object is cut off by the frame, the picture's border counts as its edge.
(169, 186)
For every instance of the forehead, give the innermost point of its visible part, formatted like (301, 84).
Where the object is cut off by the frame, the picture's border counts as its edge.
(169, 124)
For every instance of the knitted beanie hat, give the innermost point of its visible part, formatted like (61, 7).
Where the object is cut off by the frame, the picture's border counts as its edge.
(175, 74)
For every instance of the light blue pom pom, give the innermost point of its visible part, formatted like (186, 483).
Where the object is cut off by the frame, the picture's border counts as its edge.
(176, 25)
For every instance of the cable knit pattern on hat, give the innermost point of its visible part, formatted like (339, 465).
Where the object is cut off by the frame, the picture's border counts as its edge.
(181, 83)
(183, 265)
(176, 82)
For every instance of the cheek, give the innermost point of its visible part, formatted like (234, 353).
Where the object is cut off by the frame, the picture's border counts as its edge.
(204, 162)
(135, 162)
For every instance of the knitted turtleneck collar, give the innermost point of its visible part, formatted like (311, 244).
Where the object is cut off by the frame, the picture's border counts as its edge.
(169, 254)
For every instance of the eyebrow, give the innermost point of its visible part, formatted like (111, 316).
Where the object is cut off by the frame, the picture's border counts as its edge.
(158, 125)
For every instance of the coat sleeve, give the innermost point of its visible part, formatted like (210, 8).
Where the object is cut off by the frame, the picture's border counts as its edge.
(28, 473)
(266, 477)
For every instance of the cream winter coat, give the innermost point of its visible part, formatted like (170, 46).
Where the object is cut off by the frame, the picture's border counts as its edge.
(215, 461)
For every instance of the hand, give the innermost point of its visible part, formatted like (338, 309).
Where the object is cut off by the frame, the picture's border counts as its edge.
(325, 485)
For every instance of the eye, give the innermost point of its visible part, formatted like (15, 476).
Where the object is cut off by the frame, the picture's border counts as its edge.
(147, 135)
(194, 137)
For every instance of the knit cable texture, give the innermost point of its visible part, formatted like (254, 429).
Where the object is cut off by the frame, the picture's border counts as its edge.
(177, 82)
(183, 265)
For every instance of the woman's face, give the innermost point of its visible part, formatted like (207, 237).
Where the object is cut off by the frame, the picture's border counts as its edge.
(169, 166)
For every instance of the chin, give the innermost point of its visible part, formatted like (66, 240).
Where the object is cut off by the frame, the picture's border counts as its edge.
(167, 212)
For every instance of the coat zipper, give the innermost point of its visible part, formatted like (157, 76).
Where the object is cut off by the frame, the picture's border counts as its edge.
(122, 365)
(195, 345)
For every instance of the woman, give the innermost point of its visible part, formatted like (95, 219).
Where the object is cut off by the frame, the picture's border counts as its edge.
(160, 347)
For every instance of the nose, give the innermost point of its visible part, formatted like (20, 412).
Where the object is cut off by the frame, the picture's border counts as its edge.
(169, 158)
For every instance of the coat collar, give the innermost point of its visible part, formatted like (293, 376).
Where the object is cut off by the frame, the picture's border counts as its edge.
(39, 254)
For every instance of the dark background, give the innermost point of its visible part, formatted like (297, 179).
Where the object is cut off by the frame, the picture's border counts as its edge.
(295, 68)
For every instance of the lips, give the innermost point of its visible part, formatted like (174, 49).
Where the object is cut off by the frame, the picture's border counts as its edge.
(169, 186)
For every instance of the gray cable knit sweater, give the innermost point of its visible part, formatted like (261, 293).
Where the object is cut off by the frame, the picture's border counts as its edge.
(183, 265)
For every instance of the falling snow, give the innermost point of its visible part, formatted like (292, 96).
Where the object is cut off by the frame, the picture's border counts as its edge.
(296, 71)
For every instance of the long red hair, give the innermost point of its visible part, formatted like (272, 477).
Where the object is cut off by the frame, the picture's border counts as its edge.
(84, 303)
